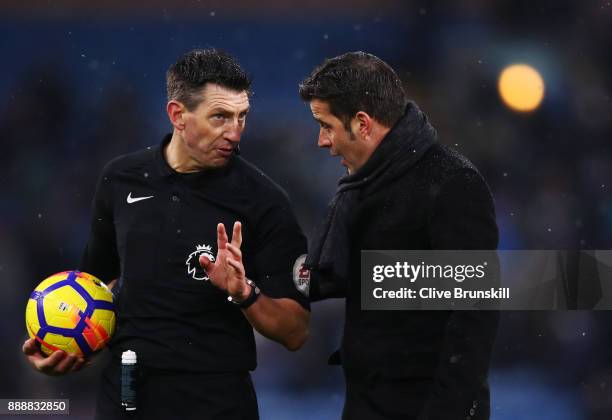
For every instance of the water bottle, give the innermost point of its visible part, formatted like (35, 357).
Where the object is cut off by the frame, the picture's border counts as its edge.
(128, 381)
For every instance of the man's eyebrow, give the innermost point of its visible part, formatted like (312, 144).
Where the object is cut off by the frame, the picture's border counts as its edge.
(320, 121)
(222, 110)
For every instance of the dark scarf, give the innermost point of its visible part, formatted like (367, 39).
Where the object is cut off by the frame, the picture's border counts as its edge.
(400, 149)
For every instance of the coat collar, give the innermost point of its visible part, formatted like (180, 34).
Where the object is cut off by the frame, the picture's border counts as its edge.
(399, 150)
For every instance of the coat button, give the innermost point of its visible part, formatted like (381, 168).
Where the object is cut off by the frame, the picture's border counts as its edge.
(176, 198)
(472, 411)
(475, 404)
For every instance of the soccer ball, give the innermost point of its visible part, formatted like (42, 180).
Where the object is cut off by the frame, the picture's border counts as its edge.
(71, 311)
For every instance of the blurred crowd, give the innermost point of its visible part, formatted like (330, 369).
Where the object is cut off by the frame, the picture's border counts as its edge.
(77, 90)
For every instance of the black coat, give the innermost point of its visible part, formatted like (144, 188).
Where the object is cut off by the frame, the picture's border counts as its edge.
(416, 364)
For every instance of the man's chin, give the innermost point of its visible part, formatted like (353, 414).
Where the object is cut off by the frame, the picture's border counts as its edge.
(220, 163)
(216, 163)
(344, 163)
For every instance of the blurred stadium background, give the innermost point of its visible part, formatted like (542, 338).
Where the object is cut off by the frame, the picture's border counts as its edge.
(83, 82)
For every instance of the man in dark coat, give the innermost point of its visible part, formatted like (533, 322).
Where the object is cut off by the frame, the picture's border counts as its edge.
(403, 191)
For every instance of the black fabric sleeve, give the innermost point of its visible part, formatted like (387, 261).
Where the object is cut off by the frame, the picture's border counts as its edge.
(321, 288)
(463, 217)
(100, 256)
(280, 242)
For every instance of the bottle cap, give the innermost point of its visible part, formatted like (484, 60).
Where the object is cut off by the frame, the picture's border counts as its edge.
(128, 357)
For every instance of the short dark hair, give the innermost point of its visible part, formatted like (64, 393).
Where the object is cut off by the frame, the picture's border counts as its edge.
(186, 78)
(357, 81)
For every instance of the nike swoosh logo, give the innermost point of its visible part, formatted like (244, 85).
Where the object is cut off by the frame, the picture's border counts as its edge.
(131, 199)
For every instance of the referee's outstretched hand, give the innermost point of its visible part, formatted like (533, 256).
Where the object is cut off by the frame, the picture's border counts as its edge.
(57, 363)
(227, 271)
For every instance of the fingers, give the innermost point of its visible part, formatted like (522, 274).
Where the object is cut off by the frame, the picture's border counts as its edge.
(237, 234)
(235, 251)
(80, 362)
(29, 347)
(48, 364)
(205, 263)
(236, 265)
(221, 237)
(65, 365)
(57, 363)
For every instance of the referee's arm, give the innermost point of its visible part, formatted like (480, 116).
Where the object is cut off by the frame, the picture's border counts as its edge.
(283, 320)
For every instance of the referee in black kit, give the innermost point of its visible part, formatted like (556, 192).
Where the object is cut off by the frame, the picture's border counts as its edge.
(159, 216)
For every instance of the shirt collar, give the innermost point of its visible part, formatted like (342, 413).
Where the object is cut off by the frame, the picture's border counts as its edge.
(160, 160)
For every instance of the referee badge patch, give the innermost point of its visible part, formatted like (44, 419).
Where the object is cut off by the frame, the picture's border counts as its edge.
(301, 275)
(194, 269)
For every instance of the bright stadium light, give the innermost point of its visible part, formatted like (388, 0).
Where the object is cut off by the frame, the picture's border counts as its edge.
(521, 87)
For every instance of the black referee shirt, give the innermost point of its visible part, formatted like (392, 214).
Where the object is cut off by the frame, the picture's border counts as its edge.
(150, 224)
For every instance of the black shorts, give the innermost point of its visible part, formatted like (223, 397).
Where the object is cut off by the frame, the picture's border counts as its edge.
(178, 395)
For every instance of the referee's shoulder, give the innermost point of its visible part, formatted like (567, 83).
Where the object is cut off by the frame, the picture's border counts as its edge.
(139, 160)
(256, 181)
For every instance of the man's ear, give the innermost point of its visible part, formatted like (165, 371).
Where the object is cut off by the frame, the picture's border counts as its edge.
(175, 111)
(362, 124)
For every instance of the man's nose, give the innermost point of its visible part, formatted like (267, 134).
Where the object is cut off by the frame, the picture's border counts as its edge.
(323, 140)
(233, 132)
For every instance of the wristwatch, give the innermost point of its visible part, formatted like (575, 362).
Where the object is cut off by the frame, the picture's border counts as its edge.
(251, 299)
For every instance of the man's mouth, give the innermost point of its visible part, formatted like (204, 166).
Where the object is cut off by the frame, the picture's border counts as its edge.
(342, 159)
(225, 151)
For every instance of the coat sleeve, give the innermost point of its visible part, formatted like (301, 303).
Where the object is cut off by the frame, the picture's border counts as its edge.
(100, 256)
(463, 218)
